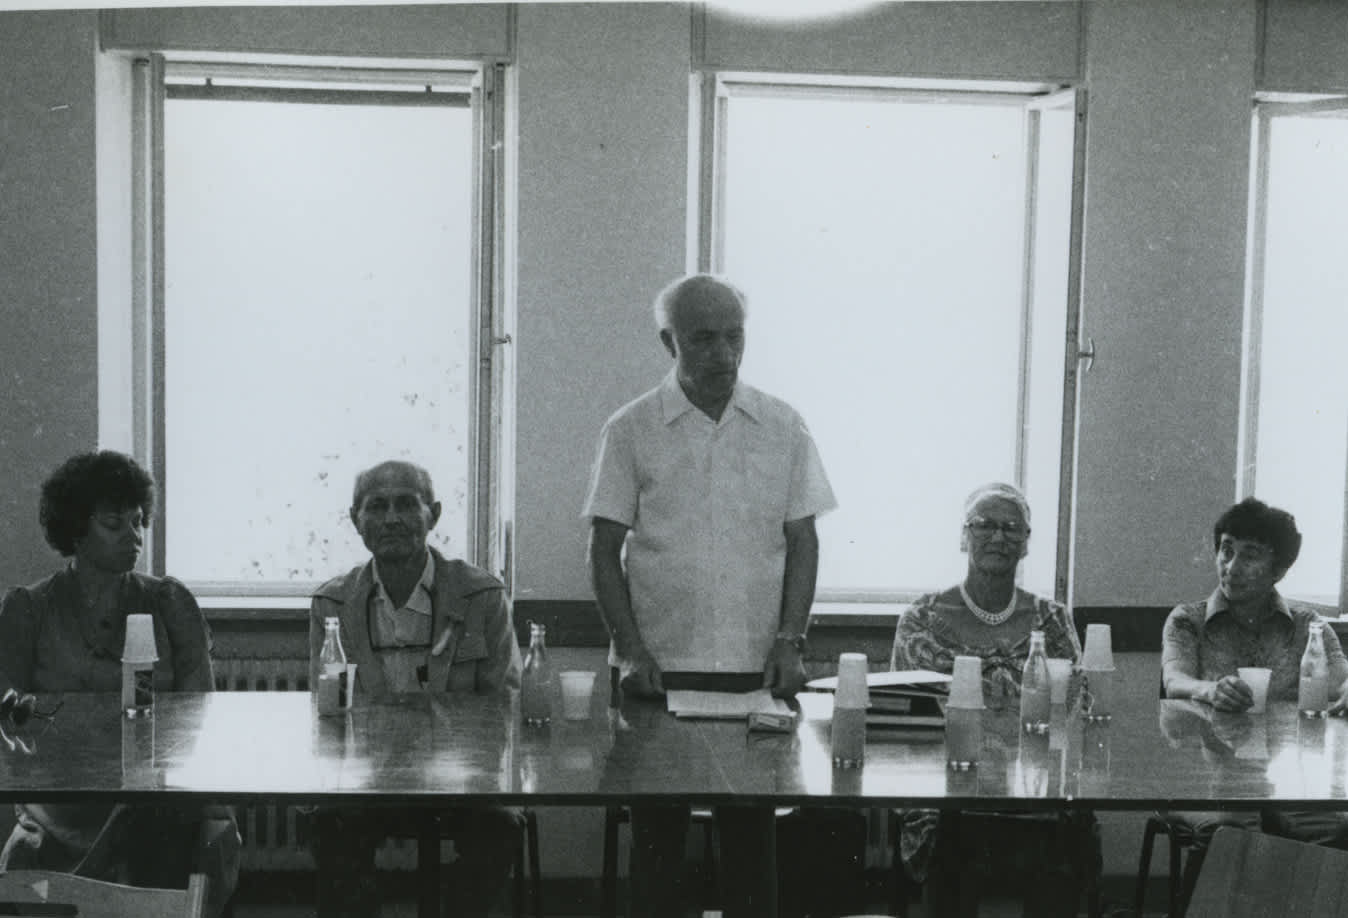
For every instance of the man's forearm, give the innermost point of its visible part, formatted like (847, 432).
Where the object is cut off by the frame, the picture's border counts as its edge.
(609, 582)
(1182, 685)
(798, 579)
(615, 608)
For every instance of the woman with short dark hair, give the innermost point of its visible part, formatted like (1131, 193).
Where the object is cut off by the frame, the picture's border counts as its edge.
(65, 634)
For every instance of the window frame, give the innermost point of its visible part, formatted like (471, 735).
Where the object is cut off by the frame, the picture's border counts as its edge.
(485, 87)
(1269, 106)
(710, 92)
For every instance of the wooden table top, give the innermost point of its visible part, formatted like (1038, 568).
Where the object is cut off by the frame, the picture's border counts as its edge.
(240, 746)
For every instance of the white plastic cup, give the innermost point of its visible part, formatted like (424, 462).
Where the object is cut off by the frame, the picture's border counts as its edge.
(1256, 677)
(852, 691)
(847, 733)
(577, 690)
(966, 684)
(1099, 653)
(139, 646)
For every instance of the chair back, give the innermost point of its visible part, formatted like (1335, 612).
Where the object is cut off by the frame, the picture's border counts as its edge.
(1256, 875)
(88, 898)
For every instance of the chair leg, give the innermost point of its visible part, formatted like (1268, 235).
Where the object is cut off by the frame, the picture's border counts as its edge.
(535, 863)
(517, 900)
(902, 884)
(711, 884)
(1144, 867)
(608, 884)
(1180, 879)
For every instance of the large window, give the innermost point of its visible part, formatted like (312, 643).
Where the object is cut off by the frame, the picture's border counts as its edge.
(321, 283)
(906, 252)
(1294, 451)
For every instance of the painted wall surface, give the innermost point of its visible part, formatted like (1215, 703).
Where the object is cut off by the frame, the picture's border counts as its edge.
(1304, 46)
(454, 31)
(603, 112)
(1162, 293)
(48, 268)
(973, 40)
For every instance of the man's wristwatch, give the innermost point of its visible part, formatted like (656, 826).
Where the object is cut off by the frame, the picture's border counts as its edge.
(793, 638)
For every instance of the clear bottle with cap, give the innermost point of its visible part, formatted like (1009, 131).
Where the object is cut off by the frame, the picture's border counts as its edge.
(536, 679)
(331, 690)
(1313, 692)
(1036, 688)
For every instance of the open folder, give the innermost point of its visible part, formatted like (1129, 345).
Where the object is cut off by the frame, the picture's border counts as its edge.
(903, 698)
(724, 705)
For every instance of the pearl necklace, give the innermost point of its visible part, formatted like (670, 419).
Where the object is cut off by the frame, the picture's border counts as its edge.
(983, 615)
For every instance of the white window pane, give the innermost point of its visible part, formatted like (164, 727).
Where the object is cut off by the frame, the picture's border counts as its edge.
(317, 321)
(1302, 444)
(881, 245)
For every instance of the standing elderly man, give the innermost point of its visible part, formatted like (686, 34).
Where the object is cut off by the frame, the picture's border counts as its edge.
(712, 487)
(1245, 622)
(413, 620)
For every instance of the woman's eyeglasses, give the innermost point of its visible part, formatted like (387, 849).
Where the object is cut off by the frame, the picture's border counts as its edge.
(985, 528)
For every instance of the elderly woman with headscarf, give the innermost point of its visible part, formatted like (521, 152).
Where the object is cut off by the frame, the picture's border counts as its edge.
(65, 634)
(988, 616)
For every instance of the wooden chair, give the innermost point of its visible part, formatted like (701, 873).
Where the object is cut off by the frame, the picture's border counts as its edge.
(96, 899)
(1256, 875)
(1179, 838)
(427, 835)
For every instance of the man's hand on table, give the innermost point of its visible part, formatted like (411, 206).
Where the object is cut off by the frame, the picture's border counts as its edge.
(1229, 693)
(784, 672)
(639, 674)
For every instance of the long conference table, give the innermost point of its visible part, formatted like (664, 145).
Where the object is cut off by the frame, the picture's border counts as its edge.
(432, 751)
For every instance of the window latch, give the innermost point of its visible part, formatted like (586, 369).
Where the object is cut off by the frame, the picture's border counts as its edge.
(1087, 353)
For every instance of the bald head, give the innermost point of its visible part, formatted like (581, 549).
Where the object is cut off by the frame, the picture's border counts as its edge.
(696, 291)
(394, 473)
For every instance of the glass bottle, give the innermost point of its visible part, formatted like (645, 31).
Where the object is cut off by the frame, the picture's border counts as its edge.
(331, 690)
(1313, 694)
(536, 680)
(1035, 688)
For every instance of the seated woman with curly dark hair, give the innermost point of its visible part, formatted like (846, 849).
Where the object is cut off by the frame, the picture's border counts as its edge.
(65, 634)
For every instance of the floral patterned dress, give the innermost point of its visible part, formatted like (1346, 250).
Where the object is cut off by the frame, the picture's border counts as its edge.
(937, 628)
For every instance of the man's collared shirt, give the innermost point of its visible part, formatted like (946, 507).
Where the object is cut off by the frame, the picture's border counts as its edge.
(408, 626)
(1207, 642)
(705, 503)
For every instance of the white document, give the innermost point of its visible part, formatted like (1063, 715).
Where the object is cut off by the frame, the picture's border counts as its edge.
(907, 678)
(724, 705)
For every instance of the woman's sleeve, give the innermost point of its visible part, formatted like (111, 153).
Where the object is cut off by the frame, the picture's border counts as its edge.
(914, 647)
(18, 639)
(190, 636)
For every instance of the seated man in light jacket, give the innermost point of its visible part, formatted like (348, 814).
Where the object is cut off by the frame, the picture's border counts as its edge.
(412, 620)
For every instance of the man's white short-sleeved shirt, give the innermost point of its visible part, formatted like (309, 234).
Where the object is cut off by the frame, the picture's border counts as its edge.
(705, 503)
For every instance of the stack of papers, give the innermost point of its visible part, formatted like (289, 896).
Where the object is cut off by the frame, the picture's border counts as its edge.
(903, 699)
(724, 705)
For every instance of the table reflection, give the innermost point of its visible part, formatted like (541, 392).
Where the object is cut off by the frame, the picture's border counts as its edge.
(1176, 754)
